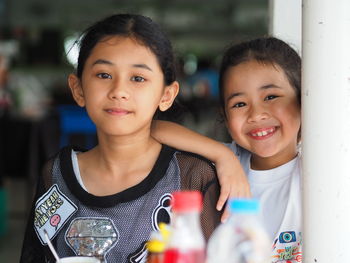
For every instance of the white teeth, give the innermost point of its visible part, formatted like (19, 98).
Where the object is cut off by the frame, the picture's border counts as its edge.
(263, 133)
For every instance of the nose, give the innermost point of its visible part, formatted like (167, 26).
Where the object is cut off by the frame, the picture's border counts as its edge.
(118, 91)
(258, 113)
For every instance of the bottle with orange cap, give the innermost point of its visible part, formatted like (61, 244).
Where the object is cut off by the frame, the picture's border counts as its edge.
(186, 243)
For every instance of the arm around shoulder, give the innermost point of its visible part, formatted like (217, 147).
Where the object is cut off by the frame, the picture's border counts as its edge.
(185, 139)
(231, 175)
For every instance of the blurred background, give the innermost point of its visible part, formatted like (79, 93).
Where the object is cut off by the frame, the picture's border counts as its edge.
(37, 53)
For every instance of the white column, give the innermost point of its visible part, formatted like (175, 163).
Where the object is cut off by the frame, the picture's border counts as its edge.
(326, 130)
(285, 21)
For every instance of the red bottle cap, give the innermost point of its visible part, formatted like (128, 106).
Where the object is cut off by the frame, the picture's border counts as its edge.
(187, 201)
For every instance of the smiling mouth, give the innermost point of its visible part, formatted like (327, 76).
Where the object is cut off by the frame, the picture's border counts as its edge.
(262, 133)
(117, 111)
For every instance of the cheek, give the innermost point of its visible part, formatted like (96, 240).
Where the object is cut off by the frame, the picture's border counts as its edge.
(234, 126)
(291, 116)
(93, 99)
(147, 102)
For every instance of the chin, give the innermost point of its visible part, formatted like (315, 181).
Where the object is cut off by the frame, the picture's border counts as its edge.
(264, 154)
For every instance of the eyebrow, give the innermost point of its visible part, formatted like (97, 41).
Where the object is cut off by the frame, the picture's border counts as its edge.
(270, 86)
(102, 61)
(144, 66)
(233, 95)
(265, 87)
(107, 62)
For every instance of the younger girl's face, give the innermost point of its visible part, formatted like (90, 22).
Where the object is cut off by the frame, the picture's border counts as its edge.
(263, 113)
(122, 85)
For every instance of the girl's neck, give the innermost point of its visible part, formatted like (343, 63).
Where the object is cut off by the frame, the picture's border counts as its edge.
(113, 167)
(126, 149)
(267, 163)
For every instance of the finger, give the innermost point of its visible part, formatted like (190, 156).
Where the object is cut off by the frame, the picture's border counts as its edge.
(241, 191)
(238, 192)
(246, 192)
(224, 195)
(225, 215)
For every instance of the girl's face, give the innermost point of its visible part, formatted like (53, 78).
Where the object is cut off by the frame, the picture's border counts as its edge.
(263, 113)
(122, 86)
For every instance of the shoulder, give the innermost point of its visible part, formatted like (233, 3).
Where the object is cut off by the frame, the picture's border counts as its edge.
(238, 150)
(242, 154)
(196, 172)
(59, 163)
(48, 170)
(192, 160)
(64, 154)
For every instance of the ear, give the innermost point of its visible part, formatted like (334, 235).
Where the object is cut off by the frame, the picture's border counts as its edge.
(169, 95)
(76, 89)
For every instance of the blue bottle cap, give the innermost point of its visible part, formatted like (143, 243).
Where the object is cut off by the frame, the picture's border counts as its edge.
(244, 206)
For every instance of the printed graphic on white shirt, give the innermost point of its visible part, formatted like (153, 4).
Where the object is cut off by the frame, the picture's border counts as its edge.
(287, 248)
(52, 211)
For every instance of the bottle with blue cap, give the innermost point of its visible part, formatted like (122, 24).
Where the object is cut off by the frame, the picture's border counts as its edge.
(242, 238)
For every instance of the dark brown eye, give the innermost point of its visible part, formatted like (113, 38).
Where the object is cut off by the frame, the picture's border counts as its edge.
(239, 105)
(270, 97)
(138, 79)
(104, 76)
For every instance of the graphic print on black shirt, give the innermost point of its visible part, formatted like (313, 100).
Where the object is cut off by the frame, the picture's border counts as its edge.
(92, 236)
(161, 214)
(135, 212)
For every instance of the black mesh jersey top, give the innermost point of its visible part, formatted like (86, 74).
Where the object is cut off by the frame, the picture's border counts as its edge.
(115, 227)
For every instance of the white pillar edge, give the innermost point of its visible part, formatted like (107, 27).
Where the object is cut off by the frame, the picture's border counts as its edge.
(326, 130)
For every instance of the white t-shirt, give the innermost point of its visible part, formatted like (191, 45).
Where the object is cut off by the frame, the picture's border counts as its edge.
(279, 193)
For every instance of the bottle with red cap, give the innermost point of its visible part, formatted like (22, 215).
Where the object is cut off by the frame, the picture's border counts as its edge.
(187, 243)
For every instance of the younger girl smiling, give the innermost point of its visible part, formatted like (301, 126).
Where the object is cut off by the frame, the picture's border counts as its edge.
(260, 83)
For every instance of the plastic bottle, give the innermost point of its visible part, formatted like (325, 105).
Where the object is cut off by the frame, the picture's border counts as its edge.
(187, 243)
(241, 239)
(157, 243)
